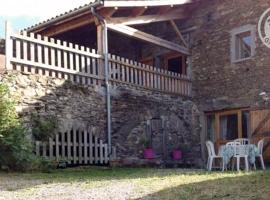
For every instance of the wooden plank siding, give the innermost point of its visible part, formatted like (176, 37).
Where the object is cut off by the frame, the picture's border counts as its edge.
(260, 128)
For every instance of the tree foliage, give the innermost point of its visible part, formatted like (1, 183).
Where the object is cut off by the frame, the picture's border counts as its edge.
(15, 146)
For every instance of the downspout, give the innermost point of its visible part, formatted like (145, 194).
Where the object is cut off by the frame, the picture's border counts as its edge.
(106, 63)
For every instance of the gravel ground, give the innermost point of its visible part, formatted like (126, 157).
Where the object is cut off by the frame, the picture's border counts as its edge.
(71, 191)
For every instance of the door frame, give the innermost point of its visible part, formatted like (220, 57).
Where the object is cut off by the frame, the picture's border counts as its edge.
(217, 114)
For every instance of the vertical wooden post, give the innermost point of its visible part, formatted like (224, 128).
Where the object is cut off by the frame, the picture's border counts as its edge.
(74, 146)
(8, 46)
(80, 146)
(37, 148)
(71, 61)
(32, 53)
(106, 153)
(69, 146)
(51, 148)
(96, 150)
(63, 153)
(100, 51)
(239, 119)
(217, 129)
(91, 147)
(189, 74)
(85, 146)
(57, 146)
(101, 152)
(39, 54)
(46, 56)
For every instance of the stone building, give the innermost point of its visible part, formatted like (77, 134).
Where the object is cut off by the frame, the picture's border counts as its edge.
(213, 44)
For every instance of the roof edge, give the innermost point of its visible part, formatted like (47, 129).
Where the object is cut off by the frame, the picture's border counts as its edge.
(139, 3)
(64, 16)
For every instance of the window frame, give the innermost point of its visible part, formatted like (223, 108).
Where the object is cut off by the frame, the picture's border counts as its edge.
(169, 56)
(247, 28)
(217, 114)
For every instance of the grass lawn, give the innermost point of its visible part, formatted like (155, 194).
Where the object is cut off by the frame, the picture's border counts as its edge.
(126, 183)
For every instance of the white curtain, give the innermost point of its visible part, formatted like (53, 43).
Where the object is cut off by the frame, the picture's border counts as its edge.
(223, 127)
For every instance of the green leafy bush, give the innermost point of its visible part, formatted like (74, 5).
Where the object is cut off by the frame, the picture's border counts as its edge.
(15, 147)
(43, 128)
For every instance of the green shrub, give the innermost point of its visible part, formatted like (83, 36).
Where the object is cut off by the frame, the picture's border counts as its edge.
(16, 152)
(43, 128)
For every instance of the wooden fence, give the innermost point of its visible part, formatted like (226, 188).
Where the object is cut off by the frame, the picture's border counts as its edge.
(47, 56)
(75, 147)
(137, 74)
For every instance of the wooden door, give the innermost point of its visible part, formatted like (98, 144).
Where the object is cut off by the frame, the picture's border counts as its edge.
(260, 128)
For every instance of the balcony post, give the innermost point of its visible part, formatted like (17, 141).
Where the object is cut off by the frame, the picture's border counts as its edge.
(100, 50)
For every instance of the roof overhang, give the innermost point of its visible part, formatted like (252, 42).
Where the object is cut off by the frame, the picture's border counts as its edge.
(103, 5)
(139, 3)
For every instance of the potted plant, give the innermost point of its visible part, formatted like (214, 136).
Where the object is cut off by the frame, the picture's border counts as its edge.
(148, 152)
(177, 154)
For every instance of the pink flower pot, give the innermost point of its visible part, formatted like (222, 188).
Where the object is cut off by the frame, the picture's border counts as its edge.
(148, 154)
(177, 155)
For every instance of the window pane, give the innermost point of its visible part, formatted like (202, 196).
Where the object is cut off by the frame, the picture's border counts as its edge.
(243, 45)
(228, 127)
(245, 124)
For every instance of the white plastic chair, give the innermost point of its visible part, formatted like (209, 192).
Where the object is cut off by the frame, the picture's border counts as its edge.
(239, 152)
(260, 148)
(212, 155)
(243, 141)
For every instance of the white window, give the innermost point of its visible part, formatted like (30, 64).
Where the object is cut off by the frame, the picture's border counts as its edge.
(242, 43)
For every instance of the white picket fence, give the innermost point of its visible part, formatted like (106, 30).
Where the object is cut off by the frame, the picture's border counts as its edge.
(75, 147)
(124, 71)
(46, 56)
(33, 53)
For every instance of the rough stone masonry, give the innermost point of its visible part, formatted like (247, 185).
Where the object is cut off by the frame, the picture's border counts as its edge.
(218, 82)
(131, 108)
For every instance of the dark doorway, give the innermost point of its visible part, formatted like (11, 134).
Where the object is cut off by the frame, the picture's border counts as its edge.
(175, 65)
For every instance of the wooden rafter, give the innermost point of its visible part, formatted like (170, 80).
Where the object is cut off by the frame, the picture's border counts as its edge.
(67, 26)
(74, 22)
(148, 38)
(138, 11)
(179, 34)
(106, 13)
(139, 3)
(164, 10)
(179, 14)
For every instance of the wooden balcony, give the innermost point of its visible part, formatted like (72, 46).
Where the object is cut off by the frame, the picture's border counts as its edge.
(45, 56)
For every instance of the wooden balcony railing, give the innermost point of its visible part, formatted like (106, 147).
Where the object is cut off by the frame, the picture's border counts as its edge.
(46, 56)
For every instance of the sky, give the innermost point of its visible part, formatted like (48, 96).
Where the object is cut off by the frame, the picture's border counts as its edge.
(24, 13)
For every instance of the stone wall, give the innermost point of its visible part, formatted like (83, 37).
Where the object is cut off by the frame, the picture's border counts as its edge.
(70, 104)
(218, 83)
(131, 108)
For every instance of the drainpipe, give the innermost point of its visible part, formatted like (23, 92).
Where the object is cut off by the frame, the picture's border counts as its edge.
(106, 61)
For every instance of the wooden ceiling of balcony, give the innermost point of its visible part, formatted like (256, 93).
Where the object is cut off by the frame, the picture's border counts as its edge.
(115, 15)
